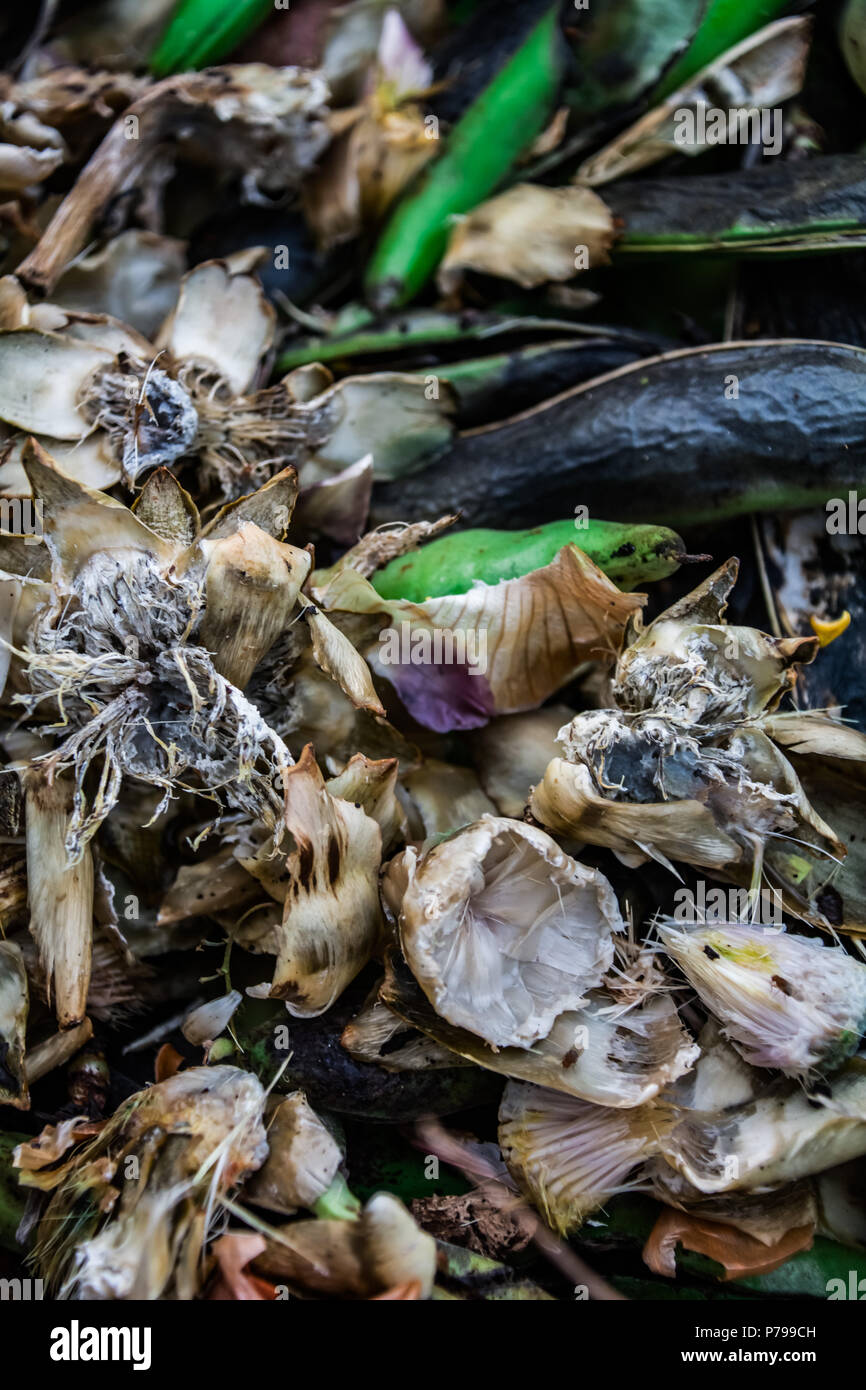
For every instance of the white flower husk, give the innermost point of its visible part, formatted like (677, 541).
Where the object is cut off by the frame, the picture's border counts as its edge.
(504, 932)
(785, 1002)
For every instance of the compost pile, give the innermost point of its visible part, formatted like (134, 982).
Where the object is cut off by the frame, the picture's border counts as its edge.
(432, 859)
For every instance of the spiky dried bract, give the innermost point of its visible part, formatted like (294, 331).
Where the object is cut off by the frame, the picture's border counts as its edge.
(570, 1156)
(785, 1002)
(130, 1213)
(504, 931)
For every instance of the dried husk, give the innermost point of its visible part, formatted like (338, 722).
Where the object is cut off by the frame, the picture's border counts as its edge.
(213, 298)
(528, 636)
(443, 797)
(512, 752)
(779, 1136)
(569, 1156)
(303, 1159)
(530, 234)
(331, 918)
(60, 894)
(785, 1002)
(116, 1229)
(266, 122)
(371, 1035)
(604, 1054)
(685, 767)
(504, 932)
(385, 1247)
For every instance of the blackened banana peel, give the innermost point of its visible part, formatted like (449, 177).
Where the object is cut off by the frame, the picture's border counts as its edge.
(694, 435)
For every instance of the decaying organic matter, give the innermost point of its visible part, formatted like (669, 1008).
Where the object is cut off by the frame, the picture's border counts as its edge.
(374, 754)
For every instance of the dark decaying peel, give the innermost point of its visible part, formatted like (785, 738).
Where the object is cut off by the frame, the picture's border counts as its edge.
(793, 436)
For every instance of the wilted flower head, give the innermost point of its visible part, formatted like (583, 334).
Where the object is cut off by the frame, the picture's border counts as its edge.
(785, 1002)
(687, 766)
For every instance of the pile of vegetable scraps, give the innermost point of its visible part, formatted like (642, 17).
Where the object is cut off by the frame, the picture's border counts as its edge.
(433, 650)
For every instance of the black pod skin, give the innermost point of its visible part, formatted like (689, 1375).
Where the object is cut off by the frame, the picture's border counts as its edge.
(698, 434)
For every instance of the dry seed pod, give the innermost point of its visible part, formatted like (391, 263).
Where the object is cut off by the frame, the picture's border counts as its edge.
(785, 1002)
(129, 1213)
(503, 931)
(303, 1159)
(570, 1156)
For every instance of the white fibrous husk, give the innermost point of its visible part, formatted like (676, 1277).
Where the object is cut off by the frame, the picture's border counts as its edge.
(130, 1214)
(504, 932)
(606, 1053)
(570, 1156)
(781, 1134)
(786, 1002)
(530, 234)
(685, 767)
(303, 1159)
(147, 621)
(14, 1005)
